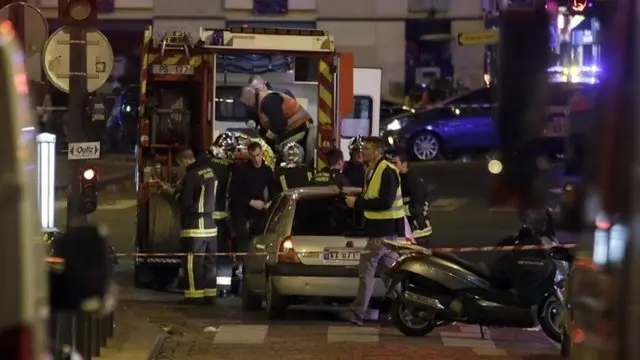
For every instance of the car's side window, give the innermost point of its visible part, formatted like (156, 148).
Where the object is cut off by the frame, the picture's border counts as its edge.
(277, 214)
(359, 122)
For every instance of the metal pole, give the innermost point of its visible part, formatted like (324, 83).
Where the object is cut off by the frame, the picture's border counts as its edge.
(75, 123)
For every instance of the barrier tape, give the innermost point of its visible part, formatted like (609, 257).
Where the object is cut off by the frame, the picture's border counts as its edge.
(56, 260)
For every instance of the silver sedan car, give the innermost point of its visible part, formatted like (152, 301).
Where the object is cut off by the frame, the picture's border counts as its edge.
(309, 249)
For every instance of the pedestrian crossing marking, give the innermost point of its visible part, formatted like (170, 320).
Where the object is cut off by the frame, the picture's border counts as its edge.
(352, 334)
(241, 334)
(447, 204)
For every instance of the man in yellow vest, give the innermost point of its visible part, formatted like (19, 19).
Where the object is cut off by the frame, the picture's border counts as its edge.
(381, 202)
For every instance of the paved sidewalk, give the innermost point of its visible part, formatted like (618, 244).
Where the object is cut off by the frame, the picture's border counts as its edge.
(135, 338)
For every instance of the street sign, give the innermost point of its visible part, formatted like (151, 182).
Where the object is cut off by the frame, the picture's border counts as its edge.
(489, 37)
(84, 150)
(56, 56)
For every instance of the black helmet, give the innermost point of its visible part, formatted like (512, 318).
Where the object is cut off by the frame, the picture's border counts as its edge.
(356, 144)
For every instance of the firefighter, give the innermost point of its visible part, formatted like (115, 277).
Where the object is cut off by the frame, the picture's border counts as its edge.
(222, 162)
(414, 199)
(258, 83)
(381, 202)
(292, 173)
(354, 168)
(198, 232)
(332, 174)
(281, 117)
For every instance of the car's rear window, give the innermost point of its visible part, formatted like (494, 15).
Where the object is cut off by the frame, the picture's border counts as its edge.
(326, 216)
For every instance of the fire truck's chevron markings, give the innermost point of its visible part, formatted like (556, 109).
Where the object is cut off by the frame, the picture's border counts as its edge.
(323, 91)
(114, 205)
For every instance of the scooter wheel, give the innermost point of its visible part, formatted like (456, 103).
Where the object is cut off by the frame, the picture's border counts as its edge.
(547, 318)
(400, 322)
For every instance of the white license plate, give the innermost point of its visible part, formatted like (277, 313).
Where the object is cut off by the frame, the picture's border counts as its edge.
(341, 254)
(172, 69)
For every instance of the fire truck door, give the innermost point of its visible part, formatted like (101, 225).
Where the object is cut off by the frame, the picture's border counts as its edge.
(365, 118)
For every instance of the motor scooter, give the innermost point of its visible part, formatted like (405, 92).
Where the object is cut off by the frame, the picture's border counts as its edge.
(522, 288)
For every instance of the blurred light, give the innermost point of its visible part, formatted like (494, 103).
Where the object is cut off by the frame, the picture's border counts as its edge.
(495, 167)
(21, 84)
(46, 179)
(89, 174)
(394, 125)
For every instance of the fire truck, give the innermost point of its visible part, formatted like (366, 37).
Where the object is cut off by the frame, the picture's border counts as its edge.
(180, 108)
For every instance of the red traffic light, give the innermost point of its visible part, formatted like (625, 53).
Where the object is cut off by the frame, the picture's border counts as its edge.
(89, 175)
(78, 12)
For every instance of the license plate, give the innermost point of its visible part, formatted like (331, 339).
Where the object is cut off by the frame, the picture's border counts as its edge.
(172, 69)
(341, 254)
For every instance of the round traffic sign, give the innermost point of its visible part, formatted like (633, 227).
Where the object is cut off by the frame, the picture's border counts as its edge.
(56, 56)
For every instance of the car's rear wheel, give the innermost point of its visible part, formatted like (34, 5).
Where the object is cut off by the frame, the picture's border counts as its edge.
(250, 300)
(276, 303)
(426, 146)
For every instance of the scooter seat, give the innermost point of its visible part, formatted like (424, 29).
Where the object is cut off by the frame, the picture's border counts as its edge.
(477, 269)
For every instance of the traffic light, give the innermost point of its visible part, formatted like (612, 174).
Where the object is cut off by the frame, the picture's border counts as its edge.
(78, 12)
(89, 190)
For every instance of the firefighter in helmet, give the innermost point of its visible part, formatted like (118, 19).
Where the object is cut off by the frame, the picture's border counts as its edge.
(281, 117)
(292, 173)
(222, 160)
(354, 168)
(198, 232)
(332, 174)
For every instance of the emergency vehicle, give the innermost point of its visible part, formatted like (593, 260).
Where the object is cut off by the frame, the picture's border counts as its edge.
(182, 97)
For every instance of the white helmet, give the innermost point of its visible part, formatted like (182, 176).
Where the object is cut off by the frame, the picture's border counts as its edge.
(292, 153)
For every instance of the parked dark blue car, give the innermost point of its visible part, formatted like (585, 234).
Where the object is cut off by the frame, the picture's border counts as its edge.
(464, 124)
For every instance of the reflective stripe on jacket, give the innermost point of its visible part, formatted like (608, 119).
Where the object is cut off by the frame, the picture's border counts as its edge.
(372, 189)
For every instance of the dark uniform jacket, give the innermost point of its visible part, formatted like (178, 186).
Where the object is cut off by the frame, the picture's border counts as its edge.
(328, 176)
(292, 177)
(221, 169)
(250, 183)
(386, 197)
(354, 172)
(414, 197)
(197, 198)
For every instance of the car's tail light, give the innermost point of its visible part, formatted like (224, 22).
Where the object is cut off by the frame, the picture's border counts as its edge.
(286, 252)
(17, 343)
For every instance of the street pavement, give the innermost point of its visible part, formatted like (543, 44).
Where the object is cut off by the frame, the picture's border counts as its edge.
(460, 216)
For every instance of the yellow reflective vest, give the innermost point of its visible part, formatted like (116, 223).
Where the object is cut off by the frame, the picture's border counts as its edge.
(372, 191)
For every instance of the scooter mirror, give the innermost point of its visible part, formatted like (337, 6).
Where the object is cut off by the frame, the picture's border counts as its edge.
(81, 280)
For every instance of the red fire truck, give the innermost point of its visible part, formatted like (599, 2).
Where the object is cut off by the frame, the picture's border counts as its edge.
(178, 101)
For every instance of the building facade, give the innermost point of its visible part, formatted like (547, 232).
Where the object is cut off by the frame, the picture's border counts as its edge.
(374, 30)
